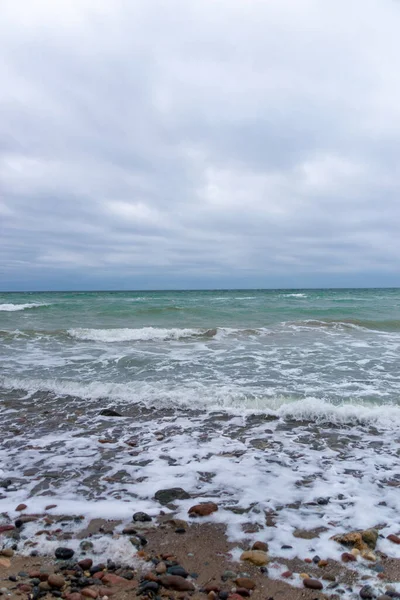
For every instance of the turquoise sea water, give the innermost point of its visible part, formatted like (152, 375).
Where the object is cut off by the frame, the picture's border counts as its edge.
(252, 348)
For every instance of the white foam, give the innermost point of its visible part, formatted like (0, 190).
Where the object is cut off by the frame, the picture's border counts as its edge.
(140, 334)
(295, 295)
(14, 307)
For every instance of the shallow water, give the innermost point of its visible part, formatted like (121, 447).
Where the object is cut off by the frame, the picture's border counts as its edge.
(282, 406)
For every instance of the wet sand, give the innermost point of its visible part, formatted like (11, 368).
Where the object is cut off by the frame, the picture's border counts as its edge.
(202, 549)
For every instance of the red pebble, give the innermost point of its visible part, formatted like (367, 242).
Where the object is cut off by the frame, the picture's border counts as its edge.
(287, 574)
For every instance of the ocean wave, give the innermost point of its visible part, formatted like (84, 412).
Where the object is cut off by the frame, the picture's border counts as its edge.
(141, 334)
(229, 398)
(299, 295)
(14, 307)
(389, 325)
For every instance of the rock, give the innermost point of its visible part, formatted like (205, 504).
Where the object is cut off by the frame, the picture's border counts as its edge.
(161, 568)
(322, 563)
(44, 586)
(235, 597)
(142, 517)
(312, 584)
(109, 412)
(149, 586)
(64, 553)
(394, 538)
(361, 540)
(5, 562)
(287, 574)
(25, 519)
(86, 546)
(174, 582)
(368, 555)
(348, 557)
(74, 596)
(257, 557)
(177, 570)
(367, 593)
(56, 581)
(50, 506)
(370, 537)
(4, 528)
(85, 563)
(260, 546)
(203, 510)
(129, 530)
(384, 597)
(211, 595)
(245, 582)
(170, 495)
(21, 507)
(89, 593)
(9, 552)
(112, 579)
(211, 587)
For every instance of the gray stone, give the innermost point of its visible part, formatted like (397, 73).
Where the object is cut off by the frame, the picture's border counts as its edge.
(171, 494)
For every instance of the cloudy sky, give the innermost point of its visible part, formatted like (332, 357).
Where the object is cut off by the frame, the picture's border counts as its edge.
(199, 143)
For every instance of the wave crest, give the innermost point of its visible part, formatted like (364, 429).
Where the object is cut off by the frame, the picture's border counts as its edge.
(15, 307)
(141, 334)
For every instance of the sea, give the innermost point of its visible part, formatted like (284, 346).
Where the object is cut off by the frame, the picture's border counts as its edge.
(282, 406)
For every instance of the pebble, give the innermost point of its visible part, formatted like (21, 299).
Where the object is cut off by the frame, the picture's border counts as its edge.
(161, 568)
(141, 517)
(171, 494)
(316, 559)
(177, 570)
(348, 557)
(312, 584)
(384, 597)
(257, 557)
(245, 582)
(323, 563)
(287, 574)
(56, 581)
(8, 552)
(85, 545)
(149, 586)
(5, 562)
(85, 563)
(177, 583)
(64, 553)
(89, 593)
(260, 546)
(21, 507)
(394, 538)
(203, 510)
(367, 593)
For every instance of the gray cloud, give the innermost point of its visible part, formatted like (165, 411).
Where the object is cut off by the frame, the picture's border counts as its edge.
(148, 144)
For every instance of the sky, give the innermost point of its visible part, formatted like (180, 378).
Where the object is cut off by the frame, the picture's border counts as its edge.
(157, 144)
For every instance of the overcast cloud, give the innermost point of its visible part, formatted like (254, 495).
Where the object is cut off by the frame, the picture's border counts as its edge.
(199, 143)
